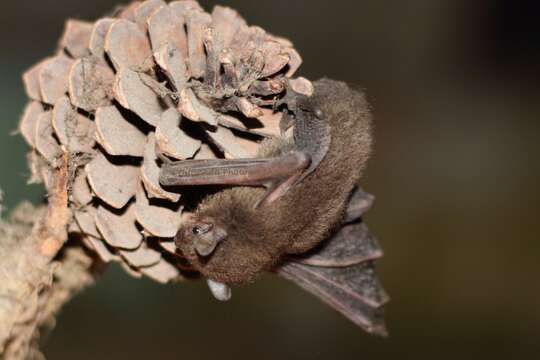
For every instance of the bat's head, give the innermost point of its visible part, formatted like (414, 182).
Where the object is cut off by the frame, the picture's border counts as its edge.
(225, 238)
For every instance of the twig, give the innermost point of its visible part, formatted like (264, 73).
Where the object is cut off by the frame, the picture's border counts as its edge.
(35, 279)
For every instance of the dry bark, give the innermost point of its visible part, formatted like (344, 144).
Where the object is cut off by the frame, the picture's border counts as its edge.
(36, 276)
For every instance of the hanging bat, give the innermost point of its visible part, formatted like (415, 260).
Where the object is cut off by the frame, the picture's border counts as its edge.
(295, 210)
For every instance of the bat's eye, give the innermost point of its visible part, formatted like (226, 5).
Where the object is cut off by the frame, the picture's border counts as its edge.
(201, 229)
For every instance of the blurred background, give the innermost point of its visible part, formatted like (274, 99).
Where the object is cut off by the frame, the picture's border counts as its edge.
(455, 90)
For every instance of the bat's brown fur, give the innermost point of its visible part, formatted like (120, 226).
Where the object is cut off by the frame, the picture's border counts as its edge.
(307, 213)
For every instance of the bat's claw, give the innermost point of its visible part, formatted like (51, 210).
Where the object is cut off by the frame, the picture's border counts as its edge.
(164, 159)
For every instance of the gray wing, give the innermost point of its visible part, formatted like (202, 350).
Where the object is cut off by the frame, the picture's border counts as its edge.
(341, 270)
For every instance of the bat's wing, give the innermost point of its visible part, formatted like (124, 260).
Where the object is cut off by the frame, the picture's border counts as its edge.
(341, 273)
(348, 283)
(275, 173)
(359, 203)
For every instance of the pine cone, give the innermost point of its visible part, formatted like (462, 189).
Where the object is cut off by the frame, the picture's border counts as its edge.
(153, 80)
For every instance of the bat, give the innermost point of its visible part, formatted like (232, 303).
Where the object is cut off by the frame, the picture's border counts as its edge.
(295, 209)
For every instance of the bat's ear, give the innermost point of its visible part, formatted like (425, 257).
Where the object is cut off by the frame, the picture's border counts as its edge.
(206, 241)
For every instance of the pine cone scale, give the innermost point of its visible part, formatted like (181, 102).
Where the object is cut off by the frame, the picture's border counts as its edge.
(154, 80)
